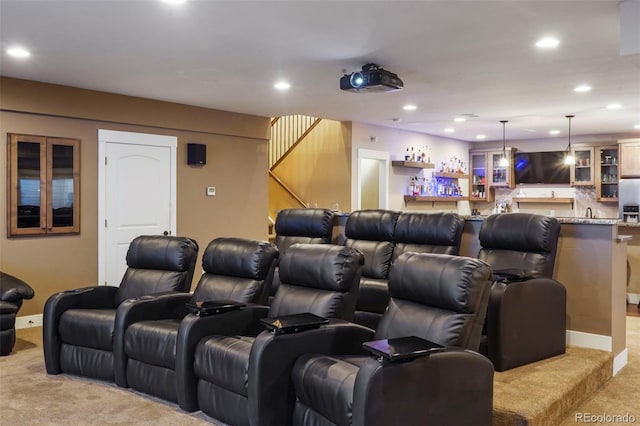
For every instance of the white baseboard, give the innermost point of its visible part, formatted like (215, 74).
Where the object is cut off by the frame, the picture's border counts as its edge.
(29, 321)
(633, 298)
(588, 340)
(600, 342)
(620, 361)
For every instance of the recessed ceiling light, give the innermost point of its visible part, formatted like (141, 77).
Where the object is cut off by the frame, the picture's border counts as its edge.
(481, 136)
(547, 43)
(554, 132)
(637, 126)
(614, 106)
(18, 52)
(409, 107)
(449, 130)
(282, 85)
(459, 119)
(582, 88)
(173, 1)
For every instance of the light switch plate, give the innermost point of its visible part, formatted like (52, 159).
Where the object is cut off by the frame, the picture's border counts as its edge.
(211, 191)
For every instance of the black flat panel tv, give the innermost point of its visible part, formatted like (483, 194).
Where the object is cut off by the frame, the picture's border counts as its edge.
(541, 167)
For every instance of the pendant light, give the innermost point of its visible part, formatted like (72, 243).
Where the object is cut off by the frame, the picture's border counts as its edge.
(504, 161)
(569, 159)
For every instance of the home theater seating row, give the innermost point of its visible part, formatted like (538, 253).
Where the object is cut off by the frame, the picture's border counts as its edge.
(398, 274)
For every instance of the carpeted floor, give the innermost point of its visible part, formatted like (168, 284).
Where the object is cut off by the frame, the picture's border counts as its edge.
(28, 396)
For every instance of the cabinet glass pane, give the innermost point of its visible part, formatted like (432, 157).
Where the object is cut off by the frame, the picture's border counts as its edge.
(478, 176)
(28, 195)
(609, 173)
(583, 166)
(499, 173)
(62, 189)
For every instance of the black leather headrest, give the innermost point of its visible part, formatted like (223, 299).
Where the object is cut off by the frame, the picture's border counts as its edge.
(520, 232)
(163, 253)
(321, 266)
(372, 225)
(442, 229)
(239, 257)
(316, 223)
(437, 280)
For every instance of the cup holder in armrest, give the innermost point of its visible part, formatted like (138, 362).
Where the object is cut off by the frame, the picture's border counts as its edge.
(511, 275)
(401, 348)
(212, 307)
(293, 323)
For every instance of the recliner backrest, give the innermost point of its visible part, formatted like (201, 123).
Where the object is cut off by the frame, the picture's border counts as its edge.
(156, 264)
(236, 269)
(321, 279)
(372, 233)
(438, 297)
(307, 226)
(520, 241)
(428, 233)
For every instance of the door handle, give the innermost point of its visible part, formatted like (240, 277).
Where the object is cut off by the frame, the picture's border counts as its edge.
(165, 233)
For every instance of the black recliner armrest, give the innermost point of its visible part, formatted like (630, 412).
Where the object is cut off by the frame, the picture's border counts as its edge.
(395, 392)
(97, 297)
(13, 289)
(244, 322)
(270, 390)
(169, 305)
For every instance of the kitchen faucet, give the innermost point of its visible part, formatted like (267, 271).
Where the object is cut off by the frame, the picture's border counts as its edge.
(588, 213)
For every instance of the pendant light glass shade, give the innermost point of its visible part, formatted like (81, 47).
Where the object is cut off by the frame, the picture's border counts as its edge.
(569, 159)
(504, 161)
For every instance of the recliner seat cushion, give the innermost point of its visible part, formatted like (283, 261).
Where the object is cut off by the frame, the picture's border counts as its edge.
(153, 342)
(224, 361)
(326, 383)
(91, 328)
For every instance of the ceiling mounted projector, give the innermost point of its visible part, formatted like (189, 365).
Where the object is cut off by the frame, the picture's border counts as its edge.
(372, 78)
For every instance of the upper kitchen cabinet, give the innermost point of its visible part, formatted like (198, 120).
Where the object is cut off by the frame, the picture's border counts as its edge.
(606, 174)
(629, 158)
(501, 176)
(582, 170)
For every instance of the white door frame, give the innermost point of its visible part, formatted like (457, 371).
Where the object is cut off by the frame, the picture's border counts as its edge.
(383, 185)
(130, 138)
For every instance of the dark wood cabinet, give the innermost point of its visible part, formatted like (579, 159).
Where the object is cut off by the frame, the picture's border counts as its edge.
(43, 174)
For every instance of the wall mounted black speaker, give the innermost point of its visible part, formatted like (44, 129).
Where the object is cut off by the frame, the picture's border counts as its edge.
(196, 154)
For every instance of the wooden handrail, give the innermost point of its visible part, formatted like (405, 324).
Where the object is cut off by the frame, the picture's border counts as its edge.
(286, 188)
(300, 139)
(274, 120)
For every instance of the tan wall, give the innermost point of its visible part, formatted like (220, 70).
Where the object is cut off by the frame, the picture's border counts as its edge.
(237, 166)
(318, 169)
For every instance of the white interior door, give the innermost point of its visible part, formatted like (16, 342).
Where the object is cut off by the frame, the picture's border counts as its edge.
(137, 190)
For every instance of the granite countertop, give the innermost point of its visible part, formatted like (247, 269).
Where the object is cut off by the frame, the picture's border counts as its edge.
(572, 220)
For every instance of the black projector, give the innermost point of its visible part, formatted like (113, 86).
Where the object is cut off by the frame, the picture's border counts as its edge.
(372, 78)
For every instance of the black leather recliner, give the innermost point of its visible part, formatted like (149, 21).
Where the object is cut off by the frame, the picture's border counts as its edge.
(397, 233)
(440, 298)
(235, 269)
(305, 226)
(526, 317)
(242, 373)
(81, 328)
(372, 232)
(12, 292)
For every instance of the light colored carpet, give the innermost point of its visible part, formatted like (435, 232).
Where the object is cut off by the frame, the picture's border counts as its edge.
(28, 396)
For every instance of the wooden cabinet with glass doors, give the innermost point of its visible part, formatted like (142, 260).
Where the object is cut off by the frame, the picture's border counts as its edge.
(606, 173)
(500, 176)
(44, 185)
(582, 171)
(478, 176)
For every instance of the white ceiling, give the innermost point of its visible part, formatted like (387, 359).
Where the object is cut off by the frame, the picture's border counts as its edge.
(455, 57)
